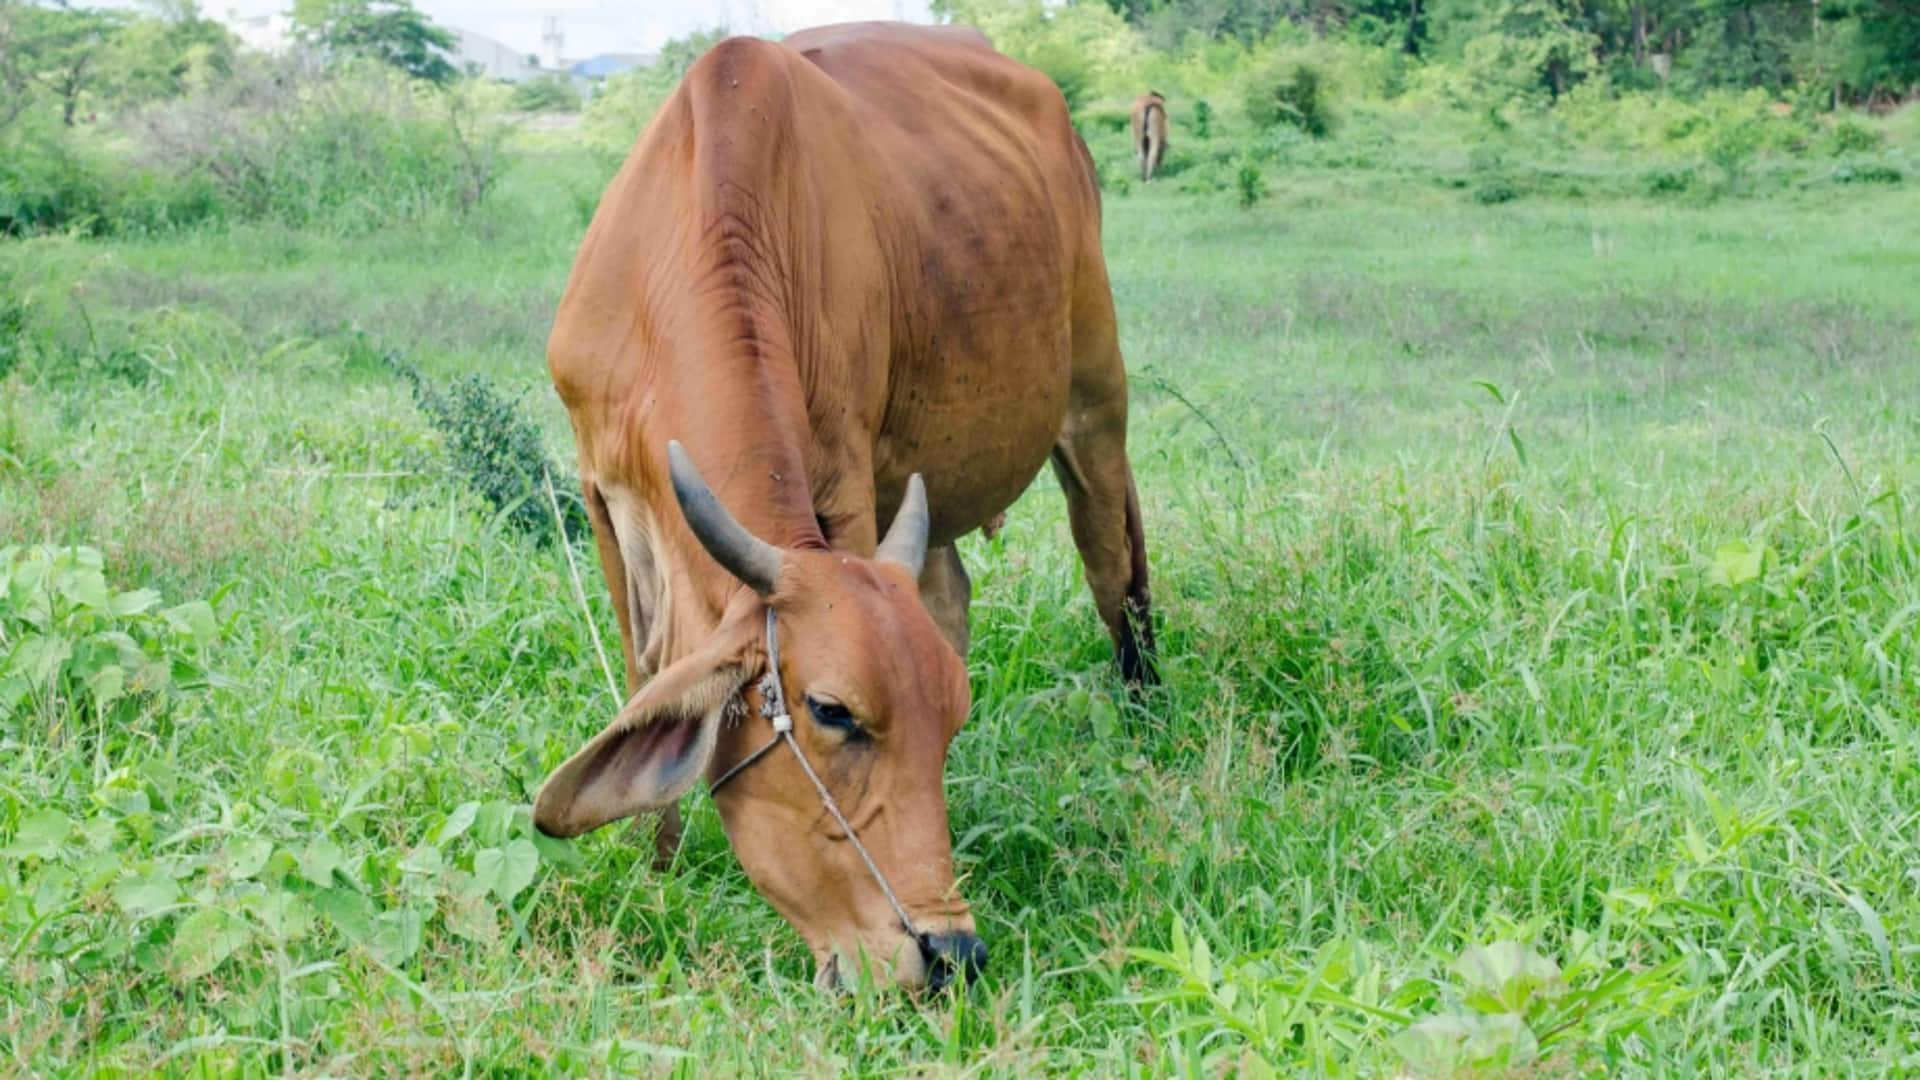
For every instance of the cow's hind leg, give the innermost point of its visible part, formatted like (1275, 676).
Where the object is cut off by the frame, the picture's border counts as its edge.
(1091, 462)
(947, 592)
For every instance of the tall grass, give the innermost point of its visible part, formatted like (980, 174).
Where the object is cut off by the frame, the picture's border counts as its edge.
(1538, 593)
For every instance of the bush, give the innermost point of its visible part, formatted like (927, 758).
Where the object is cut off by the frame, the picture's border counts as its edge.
(495, 447)
(1292, 92)
(1249, 185)
(68, 642)
(1866, 172)
(1850, 136)
(1494, 190)
(353, 147)
(51, 181)
(548, 93)
(1672, 181)
(1202, 119)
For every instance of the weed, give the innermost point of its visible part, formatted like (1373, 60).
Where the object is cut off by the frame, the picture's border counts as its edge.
(493, 446)
(1249, 184)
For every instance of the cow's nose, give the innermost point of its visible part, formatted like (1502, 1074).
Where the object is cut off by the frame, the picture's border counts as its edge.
(948, 955)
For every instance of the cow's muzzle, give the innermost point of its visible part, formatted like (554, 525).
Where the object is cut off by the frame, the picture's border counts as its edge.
(958, 955)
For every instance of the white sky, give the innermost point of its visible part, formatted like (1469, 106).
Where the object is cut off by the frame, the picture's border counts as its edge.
(597, 26)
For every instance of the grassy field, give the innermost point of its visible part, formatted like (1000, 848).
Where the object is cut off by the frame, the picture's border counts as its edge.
(1541, 623)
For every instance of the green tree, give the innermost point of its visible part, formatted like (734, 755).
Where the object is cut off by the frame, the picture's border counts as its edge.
(153, 59)
(390, 31)
(58, 50)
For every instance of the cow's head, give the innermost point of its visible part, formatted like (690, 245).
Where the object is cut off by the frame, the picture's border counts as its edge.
(876, 693)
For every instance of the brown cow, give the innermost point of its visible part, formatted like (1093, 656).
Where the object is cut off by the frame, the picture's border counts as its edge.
(1150, 132)
(830, 264)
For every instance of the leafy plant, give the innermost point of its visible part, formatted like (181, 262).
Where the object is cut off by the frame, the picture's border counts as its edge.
(1249, 184)
(1202, 119)
(496, 448)
(68, 641)
(1293, 92)
(1499, 1006)
(1849, 136)
(1668, 181)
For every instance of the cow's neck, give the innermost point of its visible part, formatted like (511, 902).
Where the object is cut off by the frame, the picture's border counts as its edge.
(739, 407)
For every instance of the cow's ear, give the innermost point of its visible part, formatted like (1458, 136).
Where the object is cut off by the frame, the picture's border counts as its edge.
(659, 745)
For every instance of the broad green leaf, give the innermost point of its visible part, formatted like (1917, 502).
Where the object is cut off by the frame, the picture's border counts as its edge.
(319, 861)
(42, 834)
(133, 603)
(397, 935)
(1436, 1045)
(558, 852)
(106, 685)
(1106, 722)
(508, 870)
(1501, 1041)
(285, 915)
(348, 911)
(1506, 976)
(194, 620)
(457, 822)
(145, 894)
(86, 588)
(491, 822)
(1737, 562)
(39, 657)
(471, 917)
(246, 856)
(204, 941)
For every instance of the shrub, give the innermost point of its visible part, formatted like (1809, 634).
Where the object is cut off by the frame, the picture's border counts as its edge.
(1866, 172)
(1292, 92)
(356, 146)
(1494, 190)
(51, 181)
(1249, 185)
(1731, 145)
(1850, 136)
(1671, 181)
(548, 93)
(70, 642)
(1202, 119)
(496, 448)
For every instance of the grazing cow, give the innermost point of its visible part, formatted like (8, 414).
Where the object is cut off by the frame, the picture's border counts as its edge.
(1150, 132)
(847, 279)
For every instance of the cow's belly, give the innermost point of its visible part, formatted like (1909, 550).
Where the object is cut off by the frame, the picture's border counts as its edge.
(977, 426)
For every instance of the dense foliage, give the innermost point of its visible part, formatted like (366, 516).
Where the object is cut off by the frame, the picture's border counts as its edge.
(122, 122)
(1853, 50)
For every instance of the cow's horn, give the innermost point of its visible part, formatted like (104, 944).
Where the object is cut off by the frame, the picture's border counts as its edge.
(746, 556)
(906, 541)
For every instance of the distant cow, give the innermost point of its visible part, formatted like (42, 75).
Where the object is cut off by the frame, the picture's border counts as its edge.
(1150, 132)
(847, 279)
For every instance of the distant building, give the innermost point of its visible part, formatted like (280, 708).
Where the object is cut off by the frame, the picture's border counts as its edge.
(605, 64)
(490, 59)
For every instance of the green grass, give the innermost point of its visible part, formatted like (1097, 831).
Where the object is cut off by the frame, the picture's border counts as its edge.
(1540, 573)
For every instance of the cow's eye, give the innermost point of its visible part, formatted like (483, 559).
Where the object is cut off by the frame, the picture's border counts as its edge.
(832, 714)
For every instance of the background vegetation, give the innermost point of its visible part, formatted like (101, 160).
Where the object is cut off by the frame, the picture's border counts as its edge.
(1528, 448)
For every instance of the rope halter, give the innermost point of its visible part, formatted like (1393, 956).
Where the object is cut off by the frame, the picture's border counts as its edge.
(776, 700)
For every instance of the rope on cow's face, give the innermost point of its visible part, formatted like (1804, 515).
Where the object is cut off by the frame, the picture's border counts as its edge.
(783, 731)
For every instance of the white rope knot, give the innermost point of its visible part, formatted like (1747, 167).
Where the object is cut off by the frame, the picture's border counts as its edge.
(782, 724)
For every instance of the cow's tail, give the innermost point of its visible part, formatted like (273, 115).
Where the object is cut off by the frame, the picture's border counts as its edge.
(1150, 139)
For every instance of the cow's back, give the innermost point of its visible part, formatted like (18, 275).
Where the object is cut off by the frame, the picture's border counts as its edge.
(900, 211)
(994, 208)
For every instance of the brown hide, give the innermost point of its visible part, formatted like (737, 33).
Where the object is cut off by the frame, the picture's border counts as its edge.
(829, 263)
(1149, 132)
